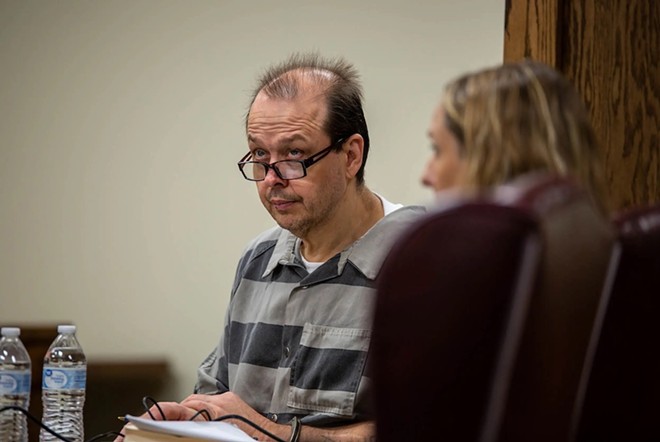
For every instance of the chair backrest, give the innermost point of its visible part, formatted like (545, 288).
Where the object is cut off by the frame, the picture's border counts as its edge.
(622, 400)
(485, 313)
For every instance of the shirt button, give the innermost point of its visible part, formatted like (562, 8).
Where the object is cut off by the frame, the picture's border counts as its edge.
(305, 287)
(273, 417)
(287, 351)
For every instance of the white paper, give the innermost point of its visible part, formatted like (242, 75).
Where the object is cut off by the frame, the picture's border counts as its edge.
(209, 430)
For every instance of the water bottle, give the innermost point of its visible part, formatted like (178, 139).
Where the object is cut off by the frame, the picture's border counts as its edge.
(63, 387)
(15, 377)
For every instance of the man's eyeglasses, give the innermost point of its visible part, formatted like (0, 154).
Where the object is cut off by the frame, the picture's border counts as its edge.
(285, 169)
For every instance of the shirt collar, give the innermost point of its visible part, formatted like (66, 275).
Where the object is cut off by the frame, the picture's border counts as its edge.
(284, 252)
(366, 254)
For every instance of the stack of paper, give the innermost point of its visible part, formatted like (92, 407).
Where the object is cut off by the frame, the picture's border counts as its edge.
(147, 430)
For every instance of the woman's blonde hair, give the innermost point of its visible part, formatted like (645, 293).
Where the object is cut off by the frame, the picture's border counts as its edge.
(522, 117)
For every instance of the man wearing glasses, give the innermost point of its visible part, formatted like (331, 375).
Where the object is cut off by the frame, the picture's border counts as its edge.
(293, 356)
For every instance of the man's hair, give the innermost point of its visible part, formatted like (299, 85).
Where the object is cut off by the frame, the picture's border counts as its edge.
(522, 117)
(338, 82)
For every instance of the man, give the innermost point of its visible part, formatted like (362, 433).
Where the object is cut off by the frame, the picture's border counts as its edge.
(294, 351)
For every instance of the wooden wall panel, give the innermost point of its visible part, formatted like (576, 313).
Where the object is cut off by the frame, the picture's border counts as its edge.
(612, 54)
(610, 50)
(532, 30)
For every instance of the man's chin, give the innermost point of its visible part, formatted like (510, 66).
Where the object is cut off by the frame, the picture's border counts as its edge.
(283, 221)
(288, 223)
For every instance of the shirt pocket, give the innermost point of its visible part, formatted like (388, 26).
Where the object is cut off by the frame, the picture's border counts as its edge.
(327, 369)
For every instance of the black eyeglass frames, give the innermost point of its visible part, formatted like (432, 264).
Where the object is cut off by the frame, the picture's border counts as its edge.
(285, 169)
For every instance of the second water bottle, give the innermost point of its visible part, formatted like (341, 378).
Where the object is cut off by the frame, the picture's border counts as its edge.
(63, 387)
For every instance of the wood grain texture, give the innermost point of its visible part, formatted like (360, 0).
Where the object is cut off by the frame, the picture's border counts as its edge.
(532, 30)
(612, 54)
(610, 50)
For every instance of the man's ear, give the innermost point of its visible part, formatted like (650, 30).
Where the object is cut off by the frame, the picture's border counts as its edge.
(354, 148)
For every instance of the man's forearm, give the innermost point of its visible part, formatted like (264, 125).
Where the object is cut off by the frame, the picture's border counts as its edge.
(360, 432)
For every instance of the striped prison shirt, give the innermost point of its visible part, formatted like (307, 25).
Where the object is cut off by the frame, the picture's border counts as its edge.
(296, 343)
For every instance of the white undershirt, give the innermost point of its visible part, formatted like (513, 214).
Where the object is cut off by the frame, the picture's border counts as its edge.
(388, 208)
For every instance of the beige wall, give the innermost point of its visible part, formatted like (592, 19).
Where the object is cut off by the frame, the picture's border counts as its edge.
(121, 206)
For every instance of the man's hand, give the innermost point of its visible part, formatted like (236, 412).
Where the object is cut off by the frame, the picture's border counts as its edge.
(229, 403)
(218, 405)
(172, 412)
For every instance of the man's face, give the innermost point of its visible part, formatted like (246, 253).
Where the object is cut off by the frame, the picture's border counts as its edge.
(293, 130)
(444, 168)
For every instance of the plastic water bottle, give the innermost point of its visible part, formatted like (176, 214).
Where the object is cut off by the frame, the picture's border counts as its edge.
(15, 378)
(63, 387)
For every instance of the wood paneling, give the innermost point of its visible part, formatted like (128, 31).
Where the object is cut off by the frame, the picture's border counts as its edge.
(612, 54)
(610, 50)
(532, 30)
(116, 388)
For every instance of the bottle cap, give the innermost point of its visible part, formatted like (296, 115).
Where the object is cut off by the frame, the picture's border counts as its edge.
(66, 329)
(11, 332)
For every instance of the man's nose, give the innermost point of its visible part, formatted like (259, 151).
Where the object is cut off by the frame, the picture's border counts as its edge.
(272, 177)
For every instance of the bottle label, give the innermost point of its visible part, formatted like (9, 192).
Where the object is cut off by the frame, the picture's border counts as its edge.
(15, 382)
(64, 378)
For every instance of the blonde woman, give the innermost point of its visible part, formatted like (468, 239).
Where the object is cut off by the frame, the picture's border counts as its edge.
(496, 124)
(486, 307)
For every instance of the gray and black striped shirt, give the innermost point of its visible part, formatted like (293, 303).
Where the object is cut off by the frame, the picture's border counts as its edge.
(296, 343)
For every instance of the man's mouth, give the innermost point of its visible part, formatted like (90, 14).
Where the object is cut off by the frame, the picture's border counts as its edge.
(280, 204)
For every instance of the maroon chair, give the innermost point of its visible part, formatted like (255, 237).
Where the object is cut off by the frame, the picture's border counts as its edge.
(622, 400)
(484, 316)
